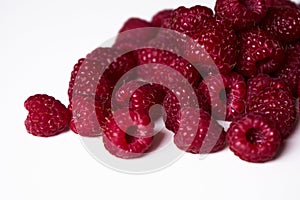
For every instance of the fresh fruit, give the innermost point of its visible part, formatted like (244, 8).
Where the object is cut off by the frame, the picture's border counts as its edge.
(259, 52)
(290, 72)
(88, 114)
(253, 138)
(242, 14)
(198, 132)
(226, 94)
(275, 102)
(280, 3)
(179, 98)
(220, 43)
(128, 135)
(283, 23)
(47, 116)
(159, 18)
(190, 20)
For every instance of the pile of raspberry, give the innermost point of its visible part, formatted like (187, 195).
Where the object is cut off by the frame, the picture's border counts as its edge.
(239, 63)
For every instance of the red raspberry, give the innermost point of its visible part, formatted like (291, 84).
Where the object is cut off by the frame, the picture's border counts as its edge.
(259, 52)
(137, 35)
(276, 103)
(47, 116)
(128, 136)
(241, 14)
(140, 96)
(220, 42)
(85, 119)
(180, 98)
(159, 18)
(280, 3)
(73, 77)
(172, 63)
(199, 132)
(226, 94)
(283, 23)
(253, 138)
(190, 20)
(290, 72)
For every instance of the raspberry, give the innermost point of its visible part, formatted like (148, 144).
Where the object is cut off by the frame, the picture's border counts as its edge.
(290, 72)
(179, 98)
(97, 74)
(85, 119)
(220, 42)
(241, 14)
(47, 116)
(275, 102)
(259, 52)
(283, 23)
(190, 20)
(140, 96)
(159, 18)
(173, 64)
(128, 136)
(138, 36)
(253, 138)
(198, 132)
(280, 3)
(226, 93)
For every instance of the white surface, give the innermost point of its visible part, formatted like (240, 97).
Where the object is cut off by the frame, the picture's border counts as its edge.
(39, 43)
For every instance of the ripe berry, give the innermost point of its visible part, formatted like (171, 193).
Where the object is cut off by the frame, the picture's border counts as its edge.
(253, 138)
(280, 3)
(273, 99)
(47, 116)
(226, 94)
(128, 136)
(259, 52)
(219, 41)
(241, 14)
(198, 132)
(283, 23)
(190, 20)
(290, 72)
(85, 119)
(159, 18)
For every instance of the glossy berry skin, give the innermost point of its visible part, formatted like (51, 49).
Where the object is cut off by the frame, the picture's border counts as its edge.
(198, 132)
(190, 20)
(180, 98)
(281, 3)
(220, 43)
(290, 72)
(226, 94)
(283, 23)
(47, 116)
(128, 136)
(272, 98)
(88, 115)
(73, 77)
(253, 138)
(259, 52)
(171, 69)
(242, 14)
(159, 18)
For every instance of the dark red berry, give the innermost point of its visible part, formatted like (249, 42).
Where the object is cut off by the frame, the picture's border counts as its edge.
(190, 20)
(283, 23)
(85, 119)
(242, 14)
(290, 72)
(180, 98)
(198, 132)
(128, 135)
(47, 116)
(280, 3)
(275, 102)
(253, 138)
(220, 43)
(259, 52)
(159, 18)
(226, 94)
(73, 77)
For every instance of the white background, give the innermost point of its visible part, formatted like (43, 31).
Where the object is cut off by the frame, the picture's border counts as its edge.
(40, 40)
